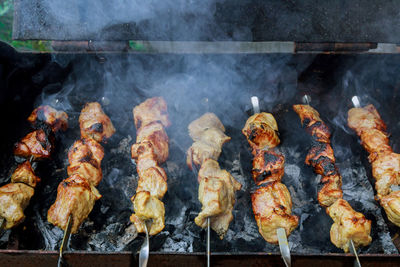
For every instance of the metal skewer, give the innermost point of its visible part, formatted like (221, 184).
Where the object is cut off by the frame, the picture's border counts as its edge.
(208, 242)
(280, 232)
(145, 249)
(64, 243)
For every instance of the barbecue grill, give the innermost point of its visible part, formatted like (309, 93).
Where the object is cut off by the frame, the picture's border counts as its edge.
(199, 71)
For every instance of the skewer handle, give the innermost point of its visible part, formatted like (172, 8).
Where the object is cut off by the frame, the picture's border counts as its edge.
(356, 101)
(208, 243)
(256, 104)
(64, 243)
(354, 252)
(145, 249)
(284, 246)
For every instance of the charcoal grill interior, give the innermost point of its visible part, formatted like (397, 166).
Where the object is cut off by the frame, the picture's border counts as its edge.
(193, 85)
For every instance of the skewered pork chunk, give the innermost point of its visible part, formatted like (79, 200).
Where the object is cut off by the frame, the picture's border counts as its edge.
(386, 171)
(24, 174)
(217, 195)
(152, 110)
(36, 144)
(75, 196)
(94, 123)
(366, 118)
(148, 207)
(348, 224)
(150, 150)
(47, 115)
(208, 134)
(272, 207)
(391, 204)
(261, 131)
(14, 198)
(268, 166)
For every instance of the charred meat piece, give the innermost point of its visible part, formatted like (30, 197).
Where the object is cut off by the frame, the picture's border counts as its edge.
(154, 133)
(268, 166)
(272, 207)
(14, 198)
(75, 196)
(148, 207)
(366, 118)
(94, 123)
(208, 135)
(331, 190)
(56, 120)
(348, 224)
(35, 144)
(386, 171)
(152, 110)
(25, 174)
(391, 204)
(261, 131)
(217, 195)
(321, 157)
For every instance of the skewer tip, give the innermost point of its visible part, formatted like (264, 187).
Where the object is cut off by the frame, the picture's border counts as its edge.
(306, 99)
(354, 252)
(356, 101)
(256, 104)
(284, 246)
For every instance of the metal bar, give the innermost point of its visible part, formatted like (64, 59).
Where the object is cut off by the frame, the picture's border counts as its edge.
(284, 246)
(145, 249)
(354, 252)
(208, 243)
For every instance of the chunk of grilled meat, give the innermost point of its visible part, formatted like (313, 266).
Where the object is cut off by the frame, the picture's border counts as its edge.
(155, 134)
(261, 131)
(391, 204)
(85, 157)
(366, 118)
(152, 110)
(14, 198)
(150, 150)
(348, 225)
(386, 171)
(36, 144)
(56, 120)
(310, 119)
(370, 127)
(94, 123)
(208, 134)
(25, 174)
(331, 190)
(268, 166)
(321, 157)
(217, 195)
(148, 207)
(272, 207)
(76, 197)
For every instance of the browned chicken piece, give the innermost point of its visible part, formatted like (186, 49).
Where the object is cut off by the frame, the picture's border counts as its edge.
(314, 125)
(261, 131)
(331, 190)
(14, 198)
(217, 195)
(152, 110)
(35, 144)
(75, 197)
(321, 157)
(366, 118)
(148, 207)
(386, 171)
(155, 134)
(391, 204)
(375, 142)
(268, 166)
(348, 224)
(94, 123)
(49, 116)
(272, 207)
(86, 150)
(153, 180)
(25, 174)
(86, 170)
(208, 135)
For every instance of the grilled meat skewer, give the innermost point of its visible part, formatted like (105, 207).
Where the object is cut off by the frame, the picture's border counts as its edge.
(216, 187)
(349, 225)
(367, 123)
(77, 194)
(271, 202)
(15, 196)
(149, 151)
